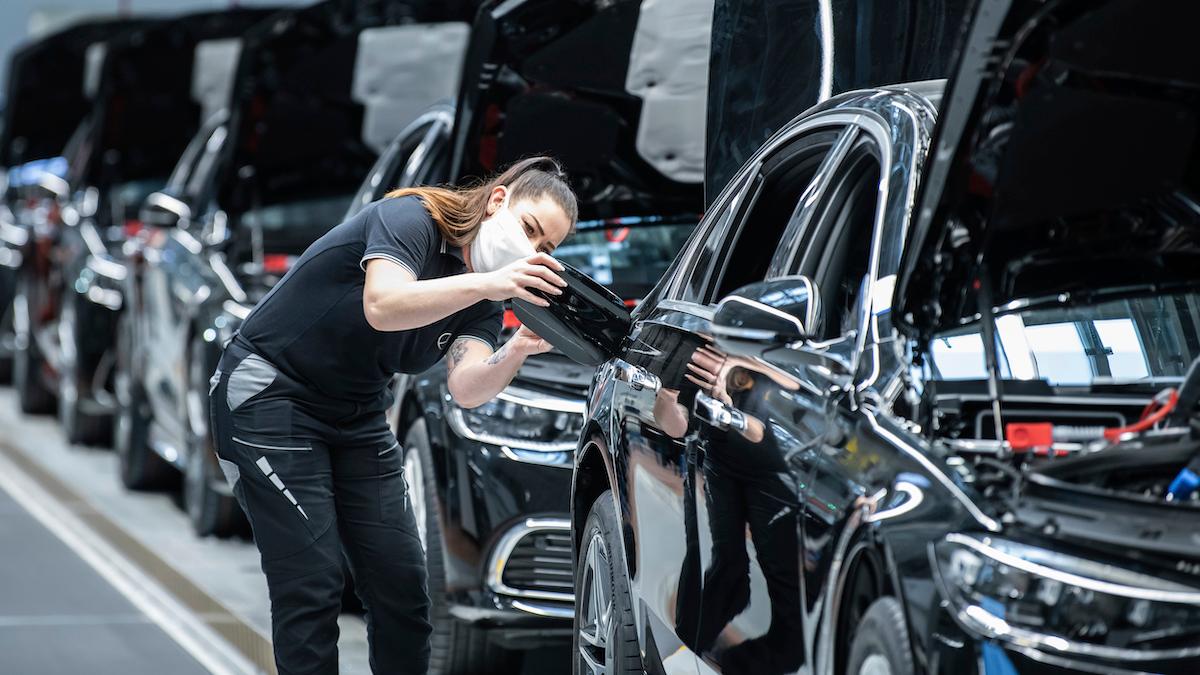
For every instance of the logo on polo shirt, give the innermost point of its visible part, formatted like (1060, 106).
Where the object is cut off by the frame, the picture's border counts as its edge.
(443, 339)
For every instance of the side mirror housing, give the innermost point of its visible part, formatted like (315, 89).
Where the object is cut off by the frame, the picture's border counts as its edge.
(162, 210)
(767, 314)
(775, 321)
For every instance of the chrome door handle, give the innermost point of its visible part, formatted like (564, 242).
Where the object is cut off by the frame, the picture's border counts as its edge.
(637, 377)
(717, 414)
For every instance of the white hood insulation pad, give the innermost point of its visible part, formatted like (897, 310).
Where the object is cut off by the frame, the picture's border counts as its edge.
(402, 70)
(668, 70)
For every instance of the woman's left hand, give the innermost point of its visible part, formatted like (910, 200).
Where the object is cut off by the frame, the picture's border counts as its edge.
(527, 342)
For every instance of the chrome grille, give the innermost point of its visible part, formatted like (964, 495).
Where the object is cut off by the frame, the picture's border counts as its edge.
(533, 560)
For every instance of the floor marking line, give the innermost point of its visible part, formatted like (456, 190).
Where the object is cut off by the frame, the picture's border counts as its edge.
(197, 639)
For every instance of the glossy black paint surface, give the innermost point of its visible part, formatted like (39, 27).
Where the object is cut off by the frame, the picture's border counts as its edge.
(587, 322)
(482, 493)
(765, 501)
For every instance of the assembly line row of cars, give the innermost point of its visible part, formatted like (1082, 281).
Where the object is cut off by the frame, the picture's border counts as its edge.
(903, 381)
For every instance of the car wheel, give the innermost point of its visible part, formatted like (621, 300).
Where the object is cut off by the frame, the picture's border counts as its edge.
(140, 467)
(78, 426)
(457, 648)
(32, 394)
(881, 645)
(605, 637)
(211, 510)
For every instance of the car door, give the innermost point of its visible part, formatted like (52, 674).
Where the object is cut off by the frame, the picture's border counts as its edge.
(848, 247)
(749, 488)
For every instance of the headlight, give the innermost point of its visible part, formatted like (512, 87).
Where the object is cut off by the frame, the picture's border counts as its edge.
(1034, 597)
(521, 419)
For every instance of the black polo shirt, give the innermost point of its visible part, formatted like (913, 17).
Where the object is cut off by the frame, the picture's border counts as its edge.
(312, 327)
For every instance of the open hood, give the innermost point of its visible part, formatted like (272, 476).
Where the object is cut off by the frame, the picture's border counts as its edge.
(144, 112)
(45, 100)
(614, 89)
(306, 83)
(773, 59)
(1065, 165)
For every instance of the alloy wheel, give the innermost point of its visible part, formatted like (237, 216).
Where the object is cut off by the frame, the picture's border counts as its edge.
(596, 610)
(414, 476)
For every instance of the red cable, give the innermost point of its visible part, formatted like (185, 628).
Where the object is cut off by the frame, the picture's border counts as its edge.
(1152, 414)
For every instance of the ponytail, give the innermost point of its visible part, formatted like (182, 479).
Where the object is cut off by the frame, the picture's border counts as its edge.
(458, 211)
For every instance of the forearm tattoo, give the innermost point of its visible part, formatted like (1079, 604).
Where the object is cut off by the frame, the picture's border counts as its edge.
(497, 356)
(457, 351)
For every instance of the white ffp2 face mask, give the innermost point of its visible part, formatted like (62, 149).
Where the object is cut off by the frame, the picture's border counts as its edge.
(501, 241)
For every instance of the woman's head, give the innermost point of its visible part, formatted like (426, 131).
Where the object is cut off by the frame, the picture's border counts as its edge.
(530, 196)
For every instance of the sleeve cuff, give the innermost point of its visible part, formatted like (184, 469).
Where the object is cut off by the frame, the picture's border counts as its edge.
(487, 341)
(387, 256)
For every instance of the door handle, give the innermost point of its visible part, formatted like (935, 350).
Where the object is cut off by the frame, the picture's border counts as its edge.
(717, 414)
(637, 377)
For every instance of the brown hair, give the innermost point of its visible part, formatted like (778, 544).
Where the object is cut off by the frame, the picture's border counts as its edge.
(458, 211)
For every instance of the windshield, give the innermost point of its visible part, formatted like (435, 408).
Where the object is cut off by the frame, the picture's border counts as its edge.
(629, 255)
(1121, 341)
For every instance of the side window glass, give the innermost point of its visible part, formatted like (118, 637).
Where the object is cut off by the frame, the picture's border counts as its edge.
(838, 255)
(684, 279)
(746, 254)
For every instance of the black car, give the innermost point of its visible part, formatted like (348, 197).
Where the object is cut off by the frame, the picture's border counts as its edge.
(313, 98)
(917, 396)
(490, 485)
(45, 102)
(68, 292)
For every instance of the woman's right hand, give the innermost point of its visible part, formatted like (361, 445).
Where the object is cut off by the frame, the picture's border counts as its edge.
(516, 279)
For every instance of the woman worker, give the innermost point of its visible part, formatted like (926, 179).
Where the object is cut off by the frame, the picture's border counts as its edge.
(300, 394)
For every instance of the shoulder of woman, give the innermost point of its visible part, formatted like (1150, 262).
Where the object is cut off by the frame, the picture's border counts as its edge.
(401, 209)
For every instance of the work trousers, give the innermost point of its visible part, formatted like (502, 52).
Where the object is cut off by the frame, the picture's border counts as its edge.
(316, 476)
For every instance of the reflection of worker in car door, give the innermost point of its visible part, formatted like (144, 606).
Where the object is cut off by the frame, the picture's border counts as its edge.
(747, 483)
(300, 396)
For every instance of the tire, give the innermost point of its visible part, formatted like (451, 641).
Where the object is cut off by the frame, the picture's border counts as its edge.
(602, 645)
(140, 467)
(211, 511)
(881, 645)
(456, 648)
(78, 426)
(33, 396)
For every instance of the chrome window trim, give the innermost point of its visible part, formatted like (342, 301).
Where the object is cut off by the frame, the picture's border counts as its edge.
(504, 548)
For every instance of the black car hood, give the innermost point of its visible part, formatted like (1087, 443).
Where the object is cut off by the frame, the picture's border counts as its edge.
(773, 59)
(1065, 162)
(45, 100)
(544, 77)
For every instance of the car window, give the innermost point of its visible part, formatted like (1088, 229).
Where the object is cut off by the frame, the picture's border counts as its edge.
(837, 256)
(628, 255)
(746, 252)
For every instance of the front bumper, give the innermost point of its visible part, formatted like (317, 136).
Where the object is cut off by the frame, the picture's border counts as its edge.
(507, 537)
(955, 650)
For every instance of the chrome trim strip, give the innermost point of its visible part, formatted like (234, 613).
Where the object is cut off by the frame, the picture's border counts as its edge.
(503, 550)
(229, 281)
(555, 611)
